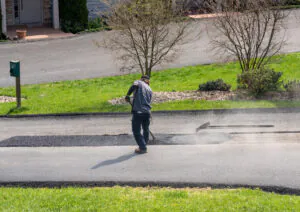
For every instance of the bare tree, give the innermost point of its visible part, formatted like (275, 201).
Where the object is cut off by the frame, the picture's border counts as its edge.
(147, 33)
(249, 30)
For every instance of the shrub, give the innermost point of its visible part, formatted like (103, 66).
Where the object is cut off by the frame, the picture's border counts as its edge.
(73, 15)
(217, 85)
(97, 23)
(259, 81)
(292, 2)
(292, 86)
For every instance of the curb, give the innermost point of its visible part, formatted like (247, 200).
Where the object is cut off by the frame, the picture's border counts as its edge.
(36, 40)
(171, 112)
(88, 184)
(47, 39)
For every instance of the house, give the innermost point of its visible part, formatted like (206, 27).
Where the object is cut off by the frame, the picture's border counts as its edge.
(29, 12)
(43, 12)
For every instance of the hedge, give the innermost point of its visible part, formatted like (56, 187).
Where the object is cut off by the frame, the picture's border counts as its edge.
(73, 15)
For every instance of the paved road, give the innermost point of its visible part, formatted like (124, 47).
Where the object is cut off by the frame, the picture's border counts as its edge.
(258, 165)
(249, 154)
(79, 58)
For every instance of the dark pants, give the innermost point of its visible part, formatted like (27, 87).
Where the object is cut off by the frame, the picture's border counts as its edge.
(141, 120)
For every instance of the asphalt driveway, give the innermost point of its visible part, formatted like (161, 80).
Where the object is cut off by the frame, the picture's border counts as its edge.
(248, 148)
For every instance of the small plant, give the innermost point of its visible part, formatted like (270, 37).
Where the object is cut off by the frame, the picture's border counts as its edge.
(217, 85)
(292, 2)
(96, 23)
(3, 37)
(292, 86)
(259, 81)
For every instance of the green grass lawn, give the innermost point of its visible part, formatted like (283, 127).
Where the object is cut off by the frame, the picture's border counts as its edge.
(143, 199)
(91, 95)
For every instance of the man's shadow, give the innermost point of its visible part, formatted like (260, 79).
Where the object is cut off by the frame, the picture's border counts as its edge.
(115, 161)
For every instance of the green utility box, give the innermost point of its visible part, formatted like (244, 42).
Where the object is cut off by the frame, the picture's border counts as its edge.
(15, 68)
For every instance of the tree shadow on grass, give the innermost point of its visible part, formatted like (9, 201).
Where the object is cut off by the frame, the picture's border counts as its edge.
(16, 110)
(115, 161)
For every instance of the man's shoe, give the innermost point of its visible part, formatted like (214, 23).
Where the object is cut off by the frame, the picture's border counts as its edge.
(140, 151)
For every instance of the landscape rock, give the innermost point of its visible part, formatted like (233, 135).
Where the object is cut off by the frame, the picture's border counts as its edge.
(6, 99)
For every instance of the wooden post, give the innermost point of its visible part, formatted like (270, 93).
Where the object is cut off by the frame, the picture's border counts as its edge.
(18, 91)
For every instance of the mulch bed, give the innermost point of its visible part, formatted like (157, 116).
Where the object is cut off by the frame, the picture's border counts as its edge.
(160, 97)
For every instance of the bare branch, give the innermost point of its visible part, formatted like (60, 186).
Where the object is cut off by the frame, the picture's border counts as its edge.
(147, 33)
(248, 29)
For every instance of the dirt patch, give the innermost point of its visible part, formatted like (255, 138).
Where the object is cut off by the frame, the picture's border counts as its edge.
(160, 97)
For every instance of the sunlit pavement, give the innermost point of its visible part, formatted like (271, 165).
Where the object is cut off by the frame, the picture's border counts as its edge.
(252, 148)
(243, 164)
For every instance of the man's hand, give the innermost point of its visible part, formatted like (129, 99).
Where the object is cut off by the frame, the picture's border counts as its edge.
(127, 98)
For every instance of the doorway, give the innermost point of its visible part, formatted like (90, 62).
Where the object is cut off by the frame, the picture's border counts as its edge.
(30, 12)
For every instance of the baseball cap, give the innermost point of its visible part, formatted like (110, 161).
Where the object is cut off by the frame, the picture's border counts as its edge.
(145, 77)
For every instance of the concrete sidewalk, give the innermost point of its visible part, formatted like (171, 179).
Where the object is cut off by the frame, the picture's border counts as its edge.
(266, 165)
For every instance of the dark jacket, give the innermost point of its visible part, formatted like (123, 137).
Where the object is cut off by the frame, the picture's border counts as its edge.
(141, 98)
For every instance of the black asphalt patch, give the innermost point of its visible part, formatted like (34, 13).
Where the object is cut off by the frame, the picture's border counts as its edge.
(113, 140)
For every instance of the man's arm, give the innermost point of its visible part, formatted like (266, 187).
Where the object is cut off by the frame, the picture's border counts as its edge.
(130, 91)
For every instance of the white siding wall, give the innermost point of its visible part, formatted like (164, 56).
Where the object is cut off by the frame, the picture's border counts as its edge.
(3, 12)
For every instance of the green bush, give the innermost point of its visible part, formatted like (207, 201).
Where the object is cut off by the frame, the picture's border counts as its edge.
(217, 85)
(259, 81)
(73, 15)
(97, 23)
(292, 86)
(292, 2)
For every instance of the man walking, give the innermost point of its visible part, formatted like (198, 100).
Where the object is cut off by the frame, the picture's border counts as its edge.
(141, 109)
